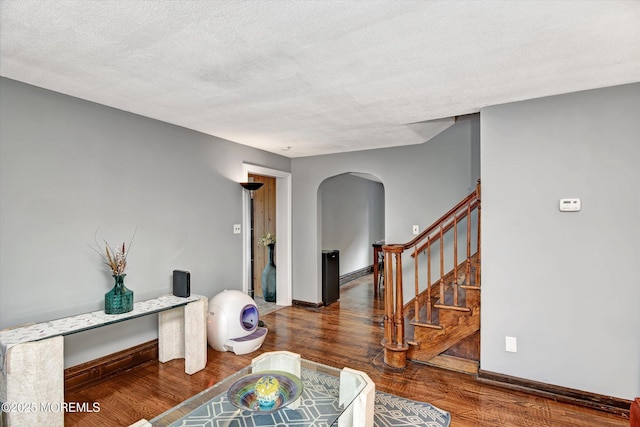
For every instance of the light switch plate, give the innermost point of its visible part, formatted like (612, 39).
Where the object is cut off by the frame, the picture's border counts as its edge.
(511, 344)
(416, 229)
(236, 229)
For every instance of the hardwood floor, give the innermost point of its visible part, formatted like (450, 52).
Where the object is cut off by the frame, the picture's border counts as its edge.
(346, 333)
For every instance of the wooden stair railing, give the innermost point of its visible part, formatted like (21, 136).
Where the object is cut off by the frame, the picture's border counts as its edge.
(394, 342)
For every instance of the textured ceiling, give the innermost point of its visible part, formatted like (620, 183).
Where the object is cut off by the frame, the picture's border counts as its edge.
(317, 76)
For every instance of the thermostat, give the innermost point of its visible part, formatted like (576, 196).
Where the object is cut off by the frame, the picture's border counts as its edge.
(570, 205)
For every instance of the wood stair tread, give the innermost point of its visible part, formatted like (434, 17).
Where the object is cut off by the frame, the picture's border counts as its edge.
(452, 307)
(455, 364)
(426, 325)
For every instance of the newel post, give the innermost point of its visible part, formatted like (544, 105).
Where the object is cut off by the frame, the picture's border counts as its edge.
(395, 346)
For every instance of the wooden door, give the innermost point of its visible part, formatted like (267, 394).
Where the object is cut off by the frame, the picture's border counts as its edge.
(264, 221)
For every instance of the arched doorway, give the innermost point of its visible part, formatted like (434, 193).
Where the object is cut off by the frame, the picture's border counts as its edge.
(352, 219)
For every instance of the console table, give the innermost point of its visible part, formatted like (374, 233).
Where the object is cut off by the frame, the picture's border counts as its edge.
(32, 357)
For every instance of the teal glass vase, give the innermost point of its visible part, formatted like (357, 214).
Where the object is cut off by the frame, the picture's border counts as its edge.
(119, 299)
(269, 278)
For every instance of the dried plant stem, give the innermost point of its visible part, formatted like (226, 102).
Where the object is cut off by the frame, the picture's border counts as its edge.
(115, 258)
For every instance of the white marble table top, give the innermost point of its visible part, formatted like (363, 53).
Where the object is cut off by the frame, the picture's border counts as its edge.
(82, 322)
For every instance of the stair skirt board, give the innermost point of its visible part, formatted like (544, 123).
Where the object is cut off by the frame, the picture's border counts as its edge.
(463, 356)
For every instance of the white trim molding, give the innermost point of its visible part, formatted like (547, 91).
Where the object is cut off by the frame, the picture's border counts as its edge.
(283, 230)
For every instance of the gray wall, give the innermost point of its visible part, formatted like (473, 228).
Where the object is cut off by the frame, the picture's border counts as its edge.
(352, 219)
(566, 285)
(563, 284)
(421, 183)
(70, 167)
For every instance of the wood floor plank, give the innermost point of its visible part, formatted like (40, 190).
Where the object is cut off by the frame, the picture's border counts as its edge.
(346, 333)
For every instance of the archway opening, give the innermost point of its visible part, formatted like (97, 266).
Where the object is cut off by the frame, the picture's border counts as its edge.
(352, 219)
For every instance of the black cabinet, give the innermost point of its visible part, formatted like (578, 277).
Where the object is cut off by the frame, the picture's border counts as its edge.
(330, 276)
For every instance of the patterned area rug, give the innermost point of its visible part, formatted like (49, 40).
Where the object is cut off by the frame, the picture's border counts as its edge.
(316, 409)
(394, 411)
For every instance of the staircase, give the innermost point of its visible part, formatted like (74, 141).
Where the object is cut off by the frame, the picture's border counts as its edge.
(440, 324)
(452, 338)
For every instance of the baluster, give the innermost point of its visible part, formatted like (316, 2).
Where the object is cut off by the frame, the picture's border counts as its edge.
(429, 280)
(441, 267)
(478, 192)
(468, 266)
(455, 260)
(478, 252)
(416, 305)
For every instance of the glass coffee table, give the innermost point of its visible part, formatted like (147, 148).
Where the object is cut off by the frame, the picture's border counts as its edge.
(310, 394)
